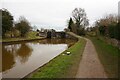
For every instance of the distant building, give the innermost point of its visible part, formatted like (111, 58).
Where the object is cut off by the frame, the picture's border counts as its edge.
(47, 33)
(51, 33)
(42, 34)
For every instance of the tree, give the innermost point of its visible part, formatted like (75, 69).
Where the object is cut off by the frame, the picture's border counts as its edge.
(111, 31)
(107, 25)
(74, 28)
(80, 18)
(70, 24)
(117, 31)
(23, 26)
(7, 21)
(16, 33)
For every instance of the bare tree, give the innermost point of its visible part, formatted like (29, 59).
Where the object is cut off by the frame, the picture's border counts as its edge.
(80, 17)
(81, 21)
(23, 26)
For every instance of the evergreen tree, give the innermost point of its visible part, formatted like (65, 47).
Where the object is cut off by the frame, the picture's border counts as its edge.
(7, 21)
(70, 24)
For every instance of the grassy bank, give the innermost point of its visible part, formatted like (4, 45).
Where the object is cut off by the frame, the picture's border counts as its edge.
(63, 66)
(108, 56)
(29, 36)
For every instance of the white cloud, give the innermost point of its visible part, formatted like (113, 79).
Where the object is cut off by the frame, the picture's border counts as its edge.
(56, 12)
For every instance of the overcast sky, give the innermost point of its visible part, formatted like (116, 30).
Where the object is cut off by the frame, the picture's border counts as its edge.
(55, 13)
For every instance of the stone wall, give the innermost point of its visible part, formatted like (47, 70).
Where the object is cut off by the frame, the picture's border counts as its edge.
(50, 34)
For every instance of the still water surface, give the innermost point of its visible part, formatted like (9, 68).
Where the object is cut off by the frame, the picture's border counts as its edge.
(19, 59)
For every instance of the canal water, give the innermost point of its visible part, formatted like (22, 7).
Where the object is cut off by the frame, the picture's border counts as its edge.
(21, 58)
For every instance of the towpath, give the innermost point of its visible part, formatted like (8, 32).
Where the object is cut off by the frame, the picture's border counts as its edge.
(90, 65)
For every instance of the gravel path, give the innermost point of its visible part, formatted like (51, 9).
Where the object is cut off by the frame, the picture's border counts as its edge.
(90, 66)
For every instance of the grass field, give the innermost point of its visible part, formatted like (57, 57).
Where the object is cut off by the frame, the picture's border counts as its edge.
(108, 56)
(63, 66)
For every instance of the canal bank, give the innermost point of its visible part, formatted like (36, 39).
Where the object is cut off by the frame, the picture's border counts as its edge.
(64, 65)
(33, 37)
(21, 40)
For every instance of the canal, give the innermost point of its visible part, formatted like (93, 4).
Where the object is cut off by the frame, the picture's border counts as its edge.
(21, 58)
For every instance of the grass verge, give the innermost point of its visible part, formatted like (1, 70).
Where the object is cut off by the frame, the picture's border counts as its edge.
(108, 56)
(63, 66)
(29, 36)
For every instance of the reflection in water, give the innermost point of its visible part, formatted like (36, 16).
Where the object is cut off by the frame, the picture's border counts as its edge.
(12, 48)
(69, 42)
(7, 60)
(56, 41)
(21, 58)
(24, 52)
